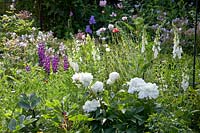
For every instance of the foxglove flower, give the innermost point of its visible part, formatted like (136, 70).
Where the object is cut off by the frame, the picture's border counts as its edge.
(144, 41)
(47, 64)
(177, 49)
(91, 106)
(55, 62)
(88, 29)
(185, 82)
(41, 54)
(65, 63)
(97, 87)
(92, 20)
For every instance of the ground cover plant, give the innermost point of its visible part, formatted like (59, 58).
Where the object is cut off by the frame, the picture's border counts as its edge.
(130, 74)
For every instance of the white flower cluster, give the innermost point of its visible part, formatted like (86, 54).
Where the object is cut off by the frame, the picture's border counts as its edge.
(185, 82)
(144, 41)
(177, 49)
(156, 47)
(97, 87)
(146, 90)
(113, 77)
(84, 78)
(90, 106)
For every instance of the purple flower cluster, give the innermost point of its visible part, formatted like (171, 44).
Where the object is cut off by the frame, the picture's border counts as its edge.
(47, 64)
(91, 22)
(65, 63)
(41, 54)
(55, 62)
(45, 60)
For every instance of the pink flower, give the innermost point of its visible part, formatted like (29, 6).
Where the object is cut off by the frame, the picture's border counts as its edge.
(115, 30)
(102, 3)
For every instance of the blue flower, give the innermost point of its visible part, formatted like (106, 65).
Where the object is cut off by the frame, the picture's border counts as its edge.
(88, 29)
(92, 20)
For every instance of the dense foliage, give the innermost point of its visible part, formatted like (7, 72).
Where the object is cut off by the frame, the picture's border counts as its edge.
(129, 69)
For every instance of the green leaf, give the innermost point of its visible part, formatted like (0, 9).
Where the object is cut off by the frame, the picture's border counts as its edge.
(21, 119)
(139, 109)
(24, 105)
(12, 124)
(80, 117)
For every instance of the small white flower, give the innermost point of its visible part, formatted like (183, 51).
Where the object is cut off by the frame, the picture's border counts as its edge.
(113, 77)
(74, 66)
(90, 106)
(97, 87)
(107, 49)
(110, 27)
(98, 32)
(124, 18)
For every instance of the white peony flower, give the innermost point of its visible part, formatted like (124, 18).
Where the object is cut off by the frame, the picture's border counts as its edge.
(84, 78)
(90, 106)
(146, 90)
(136, 84)
(149, 91)
(113, 77)
(75, 77)
(97, 87)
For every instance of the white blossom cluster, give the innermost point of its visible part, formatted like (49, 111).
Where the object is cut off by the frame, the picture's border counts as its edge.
(145, 90)
(113, 77)
(156, 47)
(84, 78)
(90, 106)
(177, 49)
(97, 87)
(185, 82)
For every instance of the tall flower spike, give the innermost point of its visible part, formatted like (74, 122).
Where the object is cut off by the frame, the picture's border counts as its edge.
(66, 63)
(55, 62)
(41, 54)
(47, 64)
